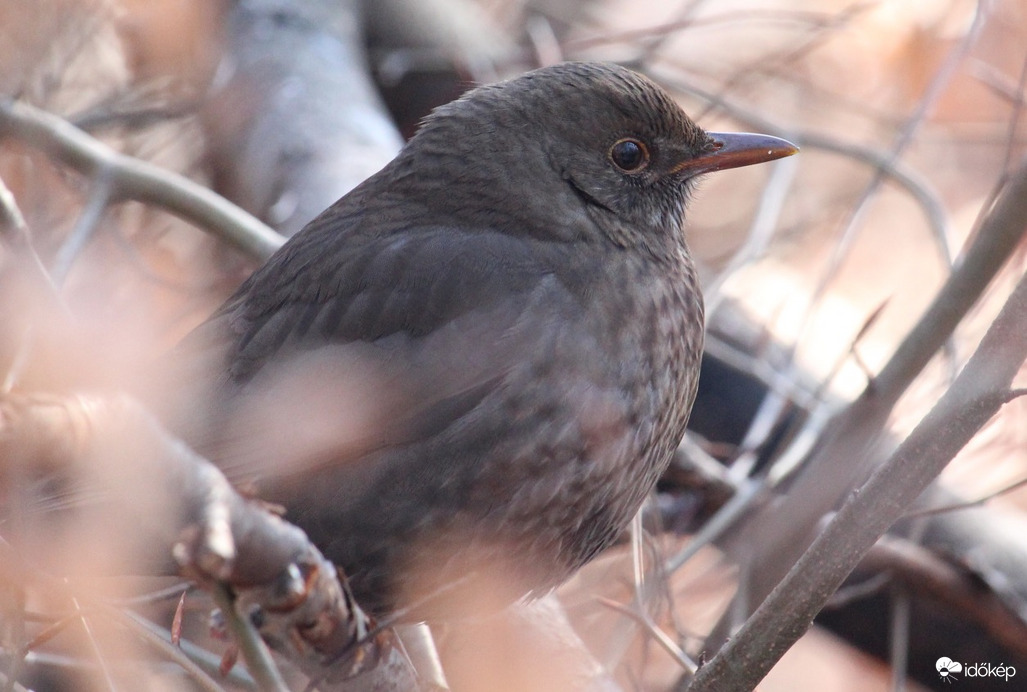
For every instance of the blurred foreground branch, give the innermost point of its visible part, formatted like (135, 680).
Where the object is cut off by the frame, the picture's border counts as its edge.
(130, 178)
(219, 538)
(293, 120)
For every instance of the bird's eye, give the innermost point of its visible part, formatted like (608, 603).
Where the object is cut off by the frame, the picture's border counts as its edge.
(629, 155)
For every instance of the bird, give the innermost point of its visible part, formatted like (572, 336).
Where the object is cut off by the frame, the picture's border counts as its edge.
(470, 371)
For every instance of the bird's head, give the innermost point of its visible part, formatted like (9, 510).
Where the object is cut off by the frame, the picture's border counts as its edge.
(569, 149)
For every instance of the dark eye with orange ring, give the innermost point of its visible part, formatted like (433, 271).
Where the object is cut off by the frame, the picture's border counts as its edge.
(629, 155)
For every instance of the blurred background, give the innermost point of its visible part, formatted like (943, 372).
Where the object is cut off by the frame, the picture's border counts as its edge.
(909, 116)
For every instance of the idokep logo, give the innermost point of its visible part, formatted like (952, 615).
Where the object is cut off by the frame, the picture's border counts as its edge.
(949, 670)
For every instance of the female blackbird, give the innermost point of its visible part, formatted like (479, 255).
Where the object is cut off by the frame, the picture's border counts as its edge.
(471, 370)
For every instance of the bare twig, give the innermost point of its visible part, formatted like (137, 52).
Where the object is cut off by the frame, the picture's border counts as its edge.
(927, 102)
(661, 637)
(773, 406)
(969, 504)
(841, 458)
(1016, 115)
(147, 632)
(11, 685)
(892, 169)
(819, 31)
(13, 228)
(25, 267)
(134, 179)
(898, 637)
(99, 200)
(254, 650)
(94, 645)
(788, 611)
(198, 663)
(761, 231)
(12, 628)
(954, 586)
(850, 593)
(658, 34)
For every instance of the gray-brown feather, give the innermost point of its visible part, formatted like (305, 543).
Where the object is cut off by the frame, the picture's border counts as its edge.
(520, 367)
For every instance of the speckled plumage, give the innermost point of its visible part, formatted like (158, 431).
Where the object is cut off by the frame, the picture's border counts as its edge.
(511, 323)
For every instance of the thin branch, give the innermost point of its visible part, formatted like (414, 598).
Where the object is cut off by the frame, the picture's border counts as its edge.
(799, 47)
(94, 644)
(898, 638)
(969, 504)
(199, 664)
(11, 685)
(15, 233)
(661, 637)
(659, 33)
(1015, 116)
(789, 610)
(24, 269)
(85, 227)
(953, 585)
(255, 652)
(111, 115)
(841, 457)
(761, 231)
(893, 170)
(12, 628)
(857, 592)
(13, 228)
(137, 180)
(902, 140)
(773, 406)
(999, 235)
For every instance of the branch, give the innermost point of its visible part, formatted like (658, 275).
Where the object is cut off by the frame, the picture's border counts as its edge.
(217, 537)
(285, 154)
(842, 457)
(974, 397)
(955, 586)
(137, 180)
(13, 229)
(881, 161)
(456, 29)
